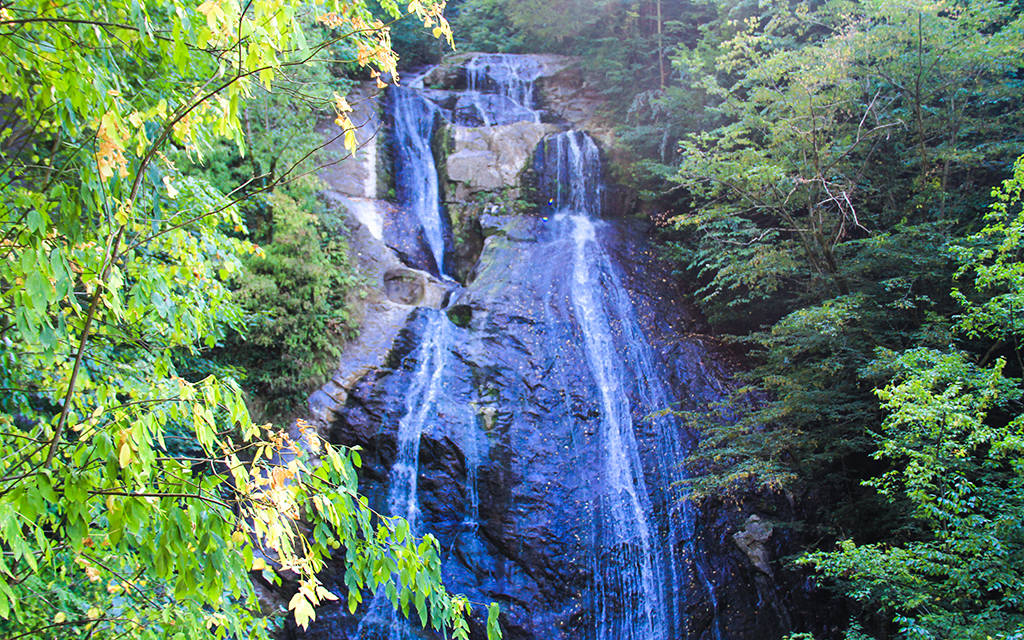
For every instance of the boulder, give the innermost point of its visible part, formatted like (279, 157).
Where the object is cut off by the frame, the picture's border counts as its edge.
(572, 101)
(753, 539)
(490, 158)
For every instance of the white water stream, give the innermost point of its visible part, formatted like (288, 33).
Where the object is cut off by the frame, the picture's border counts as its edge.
(637, 563)
(414, 119)
(501, 88)
(636, 566)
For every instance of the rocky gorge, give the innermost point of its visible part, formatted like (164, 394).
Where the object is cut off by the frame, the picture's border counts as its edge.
(510, 390)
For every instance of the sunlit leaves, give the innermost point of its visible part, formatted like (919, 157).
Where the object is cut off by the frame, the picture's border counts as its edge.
(953, 436)
(134, 501)
(959, 466)
(842, 120)
(992, 258)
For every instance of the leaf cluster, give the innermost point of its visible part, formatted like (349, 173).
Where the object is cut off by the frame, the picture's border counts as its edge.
(300, 297)
(114, 272)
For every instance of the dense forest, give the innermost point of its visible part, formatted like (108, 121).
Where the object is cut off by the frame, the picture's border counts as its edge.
(836, 183)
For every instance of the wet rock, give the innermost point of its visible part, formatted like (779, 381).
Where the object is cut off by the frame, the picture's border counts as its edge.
(573, 102)
(491, 158)
(752, 540)
(512, 466)
(450, 75)
(415, 288)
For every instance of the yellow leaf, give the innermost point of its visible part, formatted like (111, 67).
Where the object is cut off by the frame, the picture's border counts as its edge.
(125, 455)
(304, 612)
(341, 105)
(350, 141)
(279, 476)
(124, 211)
(258, 564)
(210, 7)
(172, 193)
(59, 618)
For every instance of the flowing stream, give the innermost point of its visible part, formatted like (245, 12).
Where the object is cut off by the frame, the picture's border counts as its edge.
(635, 566)
(417, 185)
(537, 406)
(501, 89)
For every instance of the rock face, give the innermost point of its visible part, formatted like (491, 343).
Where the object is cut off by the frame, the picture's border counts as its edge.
(488, 159)
(752, 541)
(533, 397)
(380, 245)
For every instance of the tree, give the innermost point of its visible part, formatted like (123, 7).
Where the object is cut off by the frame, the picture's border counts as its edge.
(831, 117)
(821, 207)
(298, 296)
(113, 267)
(954, 439)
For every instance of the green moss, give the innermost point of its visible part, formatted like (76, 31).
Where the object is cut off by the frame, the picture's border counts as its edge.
(460, 315)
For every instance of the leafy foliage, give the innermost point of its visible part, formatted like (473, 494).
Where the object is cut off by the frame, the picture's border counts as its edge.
(954, 436)
(297, 294)
(299, 302)
(814, 112)
(959, 464)
(484, 25)
(825, 115)
(114, 271)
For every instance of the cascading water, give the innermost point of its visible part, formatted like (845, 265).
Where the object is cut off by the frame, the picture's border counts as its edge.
(636, 562)
(500, 91)
(421, 405)
(417, 185)
(631, 605)
(506, 75)
(547, 485)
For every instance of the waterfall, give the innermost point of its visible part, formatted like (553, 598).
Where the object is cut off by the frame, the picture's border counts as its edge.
(506, 75)
(523, 437)
(636, 567)
(420, 407)
(570, 168)
(417, 184)
(501, 89)
(631, 605)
